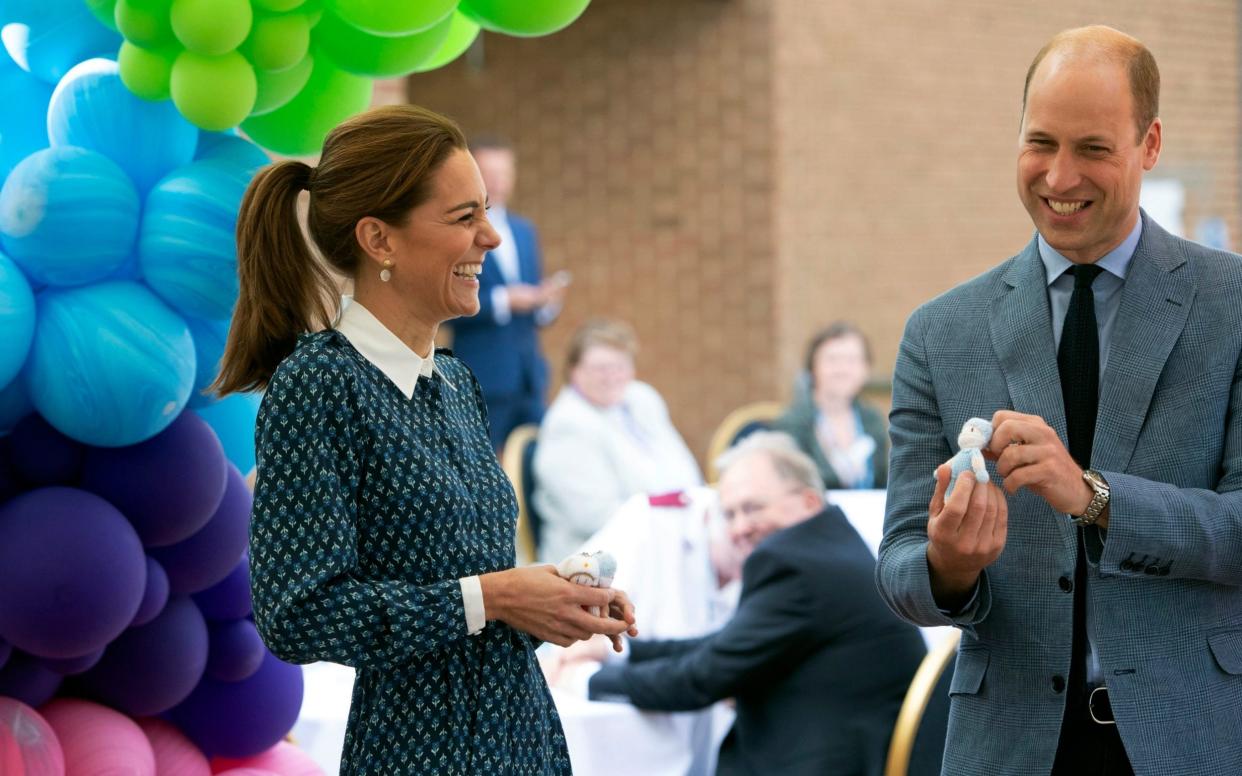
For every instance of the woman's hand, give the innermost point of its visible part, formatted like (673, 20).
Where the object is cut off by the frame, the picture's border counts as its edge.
(535, 599)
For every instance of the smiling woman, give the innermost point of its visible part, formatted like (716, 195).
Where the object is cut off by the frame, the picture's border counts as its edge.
(383, 527)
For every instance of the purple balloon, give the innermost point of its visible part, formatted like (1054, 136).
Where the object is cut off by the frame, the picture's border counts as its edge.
(72, 572)
(168, 486)
(228, 599)
(209, 555)
(74, 665)
(239, 719)
(235, 651)
(153, 667)
(41, 455)
(25, 678)
(155, 596)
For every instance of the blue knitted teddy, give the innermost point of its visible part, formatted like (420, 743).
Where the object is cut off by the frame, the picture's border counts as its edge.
(976, 433)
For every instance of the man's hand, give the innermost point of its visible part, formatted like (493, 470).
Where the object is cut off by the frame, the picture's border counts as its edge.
(966, 534)
(524, 297)
(1029, 454)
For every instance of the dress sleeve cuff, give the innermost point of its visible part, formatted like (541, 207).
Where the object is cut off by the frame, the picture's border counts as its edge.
(472, 600)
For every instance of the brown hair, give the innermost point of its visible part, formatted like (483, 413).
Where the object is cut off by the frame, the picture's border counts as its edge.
(600, 331)
(833, 331)
(1114, 46)
(379, 163)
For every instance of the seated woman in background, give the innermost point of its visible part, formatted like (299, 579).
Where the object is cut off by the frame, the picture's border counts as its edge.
(847, 438)
(605, 438)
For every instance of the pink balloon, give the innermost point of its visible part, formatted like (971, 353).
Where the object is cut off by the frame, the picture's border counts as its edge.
(284, 759)
(175, 755)
(28, 745)
(248, 772)
(97, 740)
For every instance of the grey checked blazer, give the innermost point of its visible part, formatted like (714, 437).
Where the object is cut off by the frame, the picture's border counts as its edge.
(1164, 595)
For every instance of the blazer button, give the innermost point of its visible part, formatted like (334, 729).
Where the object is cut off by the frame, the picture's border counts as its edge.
(1065, 584)
(1152, 570)
(1058, 684)
(1126, 565)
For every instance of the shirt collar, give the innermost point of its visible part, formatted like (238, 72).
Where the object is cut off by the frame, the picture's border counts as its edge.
(1115, 262)
(384, 349)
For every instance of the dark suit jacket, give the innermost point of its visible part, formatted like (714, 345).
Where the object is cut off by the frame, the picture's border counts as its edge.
(505, 359)
(818, 666)
(799, 422)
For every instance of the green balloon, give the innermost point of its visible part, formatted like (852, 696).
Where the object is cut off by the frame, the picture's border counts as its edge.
(277, 42)
(524, 18)
(211, 26)
(146, 73)
(105, 11)
(461, 35)
(144, 22)
(299, 127)
(279, 6)
(277, 88)
(360, 53)
(213, 92)
(392, 17)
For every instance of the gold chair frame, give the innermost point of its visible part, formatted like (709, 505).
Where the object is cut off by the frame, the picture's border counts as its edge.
(735, 421)
(511, 461)
(922, 686)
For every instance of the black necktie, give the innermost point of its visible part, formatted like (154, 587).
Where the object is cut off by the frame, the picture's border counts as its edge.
(1078, 360)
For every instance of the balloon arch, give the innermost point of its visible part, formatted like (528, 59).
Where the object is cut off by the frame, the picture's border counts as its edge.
(124, 589)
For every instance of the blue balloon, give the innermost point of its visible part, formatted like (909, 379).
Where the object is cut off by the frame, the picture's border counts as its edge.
(187, 244)
(217, 145)
(14, 404)
(23, 123)
(111, 365)
(68, 216)
(17, 319)
(48, 37)
(92, 109)
(233, 419)
(209, 337)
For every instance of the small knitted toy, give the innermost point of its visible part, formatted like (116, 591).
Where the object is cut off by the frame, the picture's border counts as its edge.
(593, 569)
(976, 433)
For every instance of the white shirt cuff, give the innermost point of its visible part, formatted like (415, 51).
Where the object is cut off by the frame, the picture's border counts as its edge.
(500, 305)
(472, 600)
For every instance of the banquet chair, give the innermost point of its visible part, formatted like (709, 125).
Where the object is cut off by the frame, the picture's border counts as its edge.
(738, 424)
(517, 459)
(917, 746)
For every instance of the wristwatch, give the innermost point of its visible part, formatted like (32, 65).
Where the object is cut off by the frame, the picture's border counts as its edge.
(1099, 499)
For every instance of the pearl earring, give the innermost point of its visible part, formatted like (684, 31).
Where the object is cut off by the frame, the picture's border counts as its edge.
(386, 272)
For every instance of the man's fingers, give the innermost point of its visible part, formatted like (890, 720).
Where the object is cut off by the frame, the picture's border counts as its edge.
(946, 523)
(943, 475)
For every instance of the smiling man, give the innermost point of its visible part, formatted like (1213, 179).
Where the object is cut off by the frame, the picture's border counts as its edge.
(1097, 577)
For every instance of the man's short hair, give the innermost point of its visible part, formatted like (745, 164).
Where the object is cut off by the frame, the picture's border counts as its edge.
(791, 464)
(1112, 46)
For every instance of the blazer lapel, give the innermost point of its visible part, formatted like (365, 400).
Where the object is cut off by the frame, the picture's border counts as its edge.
(1155, 303)
(1021, 325)
(1022, 339)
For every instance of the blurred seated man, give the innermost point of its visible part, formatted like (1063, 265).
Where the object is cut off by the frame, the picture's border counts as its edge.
(817, 664)
(605, 438)
(845, 436)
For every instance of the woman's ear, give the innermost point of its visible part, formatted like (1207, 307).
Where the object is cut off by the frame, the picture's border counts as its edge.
(373, 238)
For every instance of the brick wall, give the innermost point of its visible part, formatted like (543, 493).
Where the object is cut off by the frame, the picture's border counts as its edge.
(730, 174)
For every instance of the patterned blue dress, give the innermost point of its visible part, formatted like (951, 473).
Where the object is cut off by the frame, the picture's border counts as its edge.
(368, 510)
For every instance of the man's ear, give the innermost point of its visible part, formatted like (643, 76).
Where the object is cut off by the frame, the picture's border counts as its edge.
(373, 237)
(813, 499)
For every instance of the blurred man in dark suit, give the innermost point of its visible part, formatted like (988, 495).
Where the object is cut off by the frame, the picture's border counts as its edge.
(818, 666)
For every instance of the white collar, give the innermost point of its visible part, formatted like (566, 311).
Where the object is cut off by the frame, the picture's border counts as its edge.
(384, 349)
